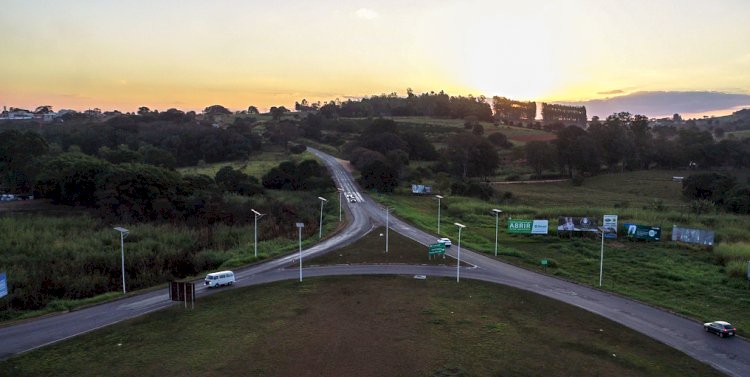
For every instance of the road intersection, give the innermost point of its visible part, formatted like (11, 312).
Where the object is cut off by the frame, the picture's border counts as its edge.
(731, 356)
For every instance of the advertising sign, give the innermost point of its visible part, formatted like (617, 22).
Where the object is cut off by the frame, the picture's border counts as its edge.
(3, 284)
(688, 235)
(577, 224)
(528, 226)
(610, 222)
(643, 232)
(421, 189)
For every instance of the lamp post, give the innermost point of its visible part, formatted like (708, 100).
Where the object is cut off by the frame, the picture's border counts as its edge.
(299, 231)
(340, 192)
(497, 221)
(322, 202)
(257, 216)
(438, 198)
(458, 263)
(387, 212)
(123, 234)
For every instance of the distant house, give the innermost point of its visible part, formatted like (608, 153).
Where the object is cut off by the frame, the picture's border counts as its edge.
(16, 115)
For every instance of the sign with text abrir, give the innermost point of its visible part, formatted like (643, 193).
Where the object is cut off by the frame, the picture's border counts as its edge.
(437, 248)
(3, 284)
(528, 226)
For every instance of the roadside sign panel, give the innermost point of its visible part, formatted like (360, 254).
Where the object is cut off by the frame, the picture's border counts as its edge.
(528, 226)
(689, 235)
(3, 284)
(643, 232)
(577, 224)
(437, 248)
(610, 222)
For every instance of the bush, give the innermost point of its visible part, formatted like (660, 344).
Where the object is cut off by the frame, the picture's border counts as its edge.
(577, 180)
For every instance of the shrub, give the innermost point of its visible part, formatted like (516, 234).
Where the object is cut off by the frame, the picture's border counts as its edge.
(577, 180)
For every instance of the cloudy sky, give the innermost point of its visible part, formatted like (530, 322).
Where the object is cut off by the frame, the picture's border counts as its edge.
(191, 54)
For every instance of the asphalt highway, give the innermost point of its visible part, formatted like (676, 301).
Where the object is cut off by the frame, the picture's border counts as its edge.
(731, 356)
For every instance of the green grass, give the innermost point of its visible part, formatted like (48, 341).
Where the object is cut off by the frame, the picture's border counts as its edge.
(363, 326)
(371, 249)
(623, 190)
(683, 278)
(78, 258)
(739, 134)
(256, 166)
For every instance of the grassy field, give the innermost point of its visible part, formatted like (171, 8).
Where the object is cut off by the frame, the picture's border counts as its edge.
(363, 326)
(256, 166)
(371, 249)
(64, 262)
(518, 135)
(687, 279)
(626, 190)
(744, 134)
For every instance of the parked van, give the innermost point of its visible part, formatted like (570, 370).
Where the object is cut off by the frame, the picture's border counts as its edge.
(217, 279)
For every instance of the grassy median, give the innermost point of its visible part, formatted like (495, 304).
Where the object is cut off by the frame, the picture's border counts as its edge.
(363, 326)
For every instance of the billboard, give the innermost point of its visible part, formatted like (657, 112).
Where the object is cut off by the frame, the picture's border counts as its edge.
(421, 189)
(528, 226)
(3, 284)
(688, 235)
(643, 232)
(577, 224)
(610, 222)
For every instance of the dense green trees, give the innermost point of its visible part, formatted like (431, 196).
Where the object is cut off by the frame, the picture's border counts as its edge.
(308, 175)
(426, 104)
(19, 157)
(540, 155)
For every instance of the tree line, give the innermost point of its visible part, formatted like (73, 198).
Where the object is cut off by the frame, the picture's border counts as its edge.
(514, 111)
(626, 142)
(426, 104)
(563, 113)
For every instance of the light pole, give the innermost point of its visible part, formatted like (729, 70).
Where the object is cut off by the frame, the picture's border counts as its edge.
(497, 221)
(123, 234)
(322, 202)
(299, 230)
(387, 212)
(458, 263)
(257, 216)
(340, 192)
(438, 198)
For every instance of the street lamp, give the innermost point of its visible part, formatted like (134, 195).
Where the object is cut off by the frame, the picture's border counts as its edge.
(322, 202)
(458, 263)
(340, 191)
(257, 216)
(438, 198)
(123, 234)
(299, 230)
(387, 212)
(497, 220)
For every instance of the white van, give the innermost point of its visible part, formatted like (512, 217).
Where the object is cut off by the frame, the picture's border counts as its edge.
(217, 279)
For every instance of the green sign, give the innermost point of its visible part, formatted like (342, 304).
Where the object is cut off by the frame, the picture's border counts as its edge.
(544, 262)
(520, 226)
(437, 248)
(528, 226)
(642, 232)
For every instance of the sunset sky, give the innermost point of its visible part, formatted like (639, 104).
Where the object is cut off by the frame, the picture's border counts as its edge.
(191, 54)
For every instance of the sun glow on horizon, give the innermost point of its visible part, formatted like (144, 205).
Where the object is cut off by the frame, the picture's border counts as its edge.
(192, 54)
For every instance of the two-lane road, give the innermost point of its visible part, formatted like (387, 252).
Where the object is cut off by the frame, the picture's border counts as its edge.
(732, 356)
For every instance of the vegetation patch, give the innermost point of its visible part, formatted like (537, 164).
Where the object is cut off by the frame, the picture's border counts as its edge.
(364, 326)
